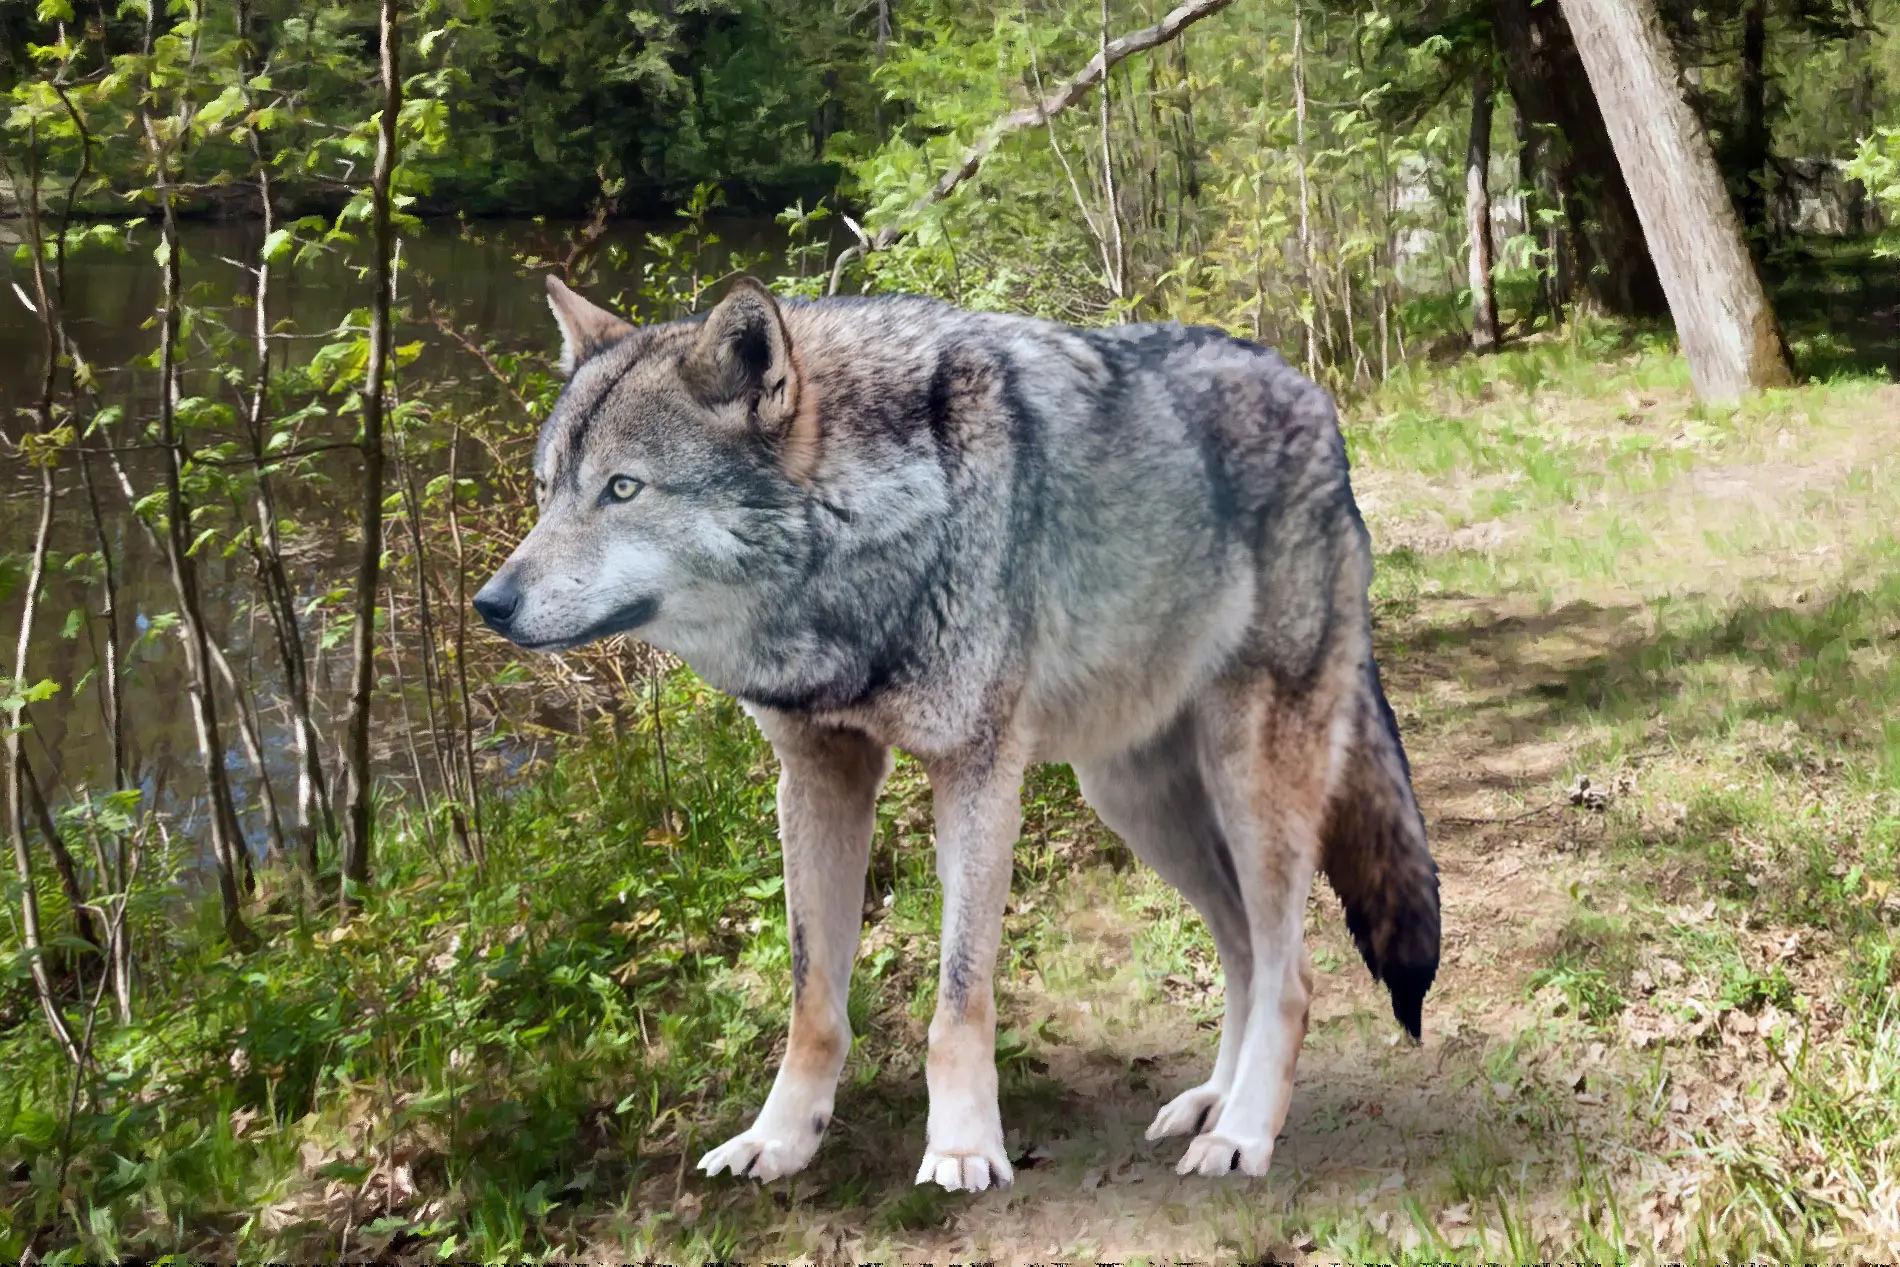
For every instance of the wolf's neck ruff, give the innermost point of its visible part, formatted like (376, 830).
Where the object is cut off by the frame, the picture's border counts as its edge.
(989, 540)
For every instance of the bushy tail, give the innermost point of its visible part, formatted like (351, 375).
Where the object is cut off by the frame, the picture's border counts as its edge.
(1373, 851)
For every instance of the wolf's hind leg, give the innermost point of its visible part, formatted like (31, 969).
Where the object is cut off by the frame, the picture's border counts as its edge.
(827, 804)
(1155, 799)
(1268, 756)
(979, 814)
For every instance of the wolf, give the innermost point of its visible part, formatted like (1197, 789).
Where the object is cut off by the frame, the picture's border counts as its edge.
(987, 540)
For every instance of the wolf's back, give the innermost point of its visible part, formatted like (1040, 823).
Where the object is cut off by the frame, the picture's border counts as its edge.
(1373, 850)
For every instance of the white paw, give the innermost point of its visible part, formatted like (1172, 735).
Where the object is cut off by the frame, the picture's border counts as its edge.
(967, 1172)
(1189, 1113)
(1213, 1154)
(764, 1154)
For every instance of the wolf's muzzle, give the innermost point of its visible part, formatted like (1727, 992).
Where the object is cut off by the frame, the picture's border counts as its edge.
(497, 605)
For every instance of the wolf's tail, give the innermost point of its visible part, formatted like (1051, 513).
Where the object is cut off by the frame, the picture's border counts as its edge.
(1373, 850)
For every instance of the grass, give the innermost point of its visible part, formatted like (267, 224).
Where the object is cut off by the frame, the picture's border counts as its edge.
(1665, 1026)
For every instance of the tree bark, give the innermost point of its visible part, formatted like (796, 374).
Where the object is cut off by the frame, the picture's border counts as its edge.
(1484, 299)
(1723, 320)
(357, 824)
(1545, 74)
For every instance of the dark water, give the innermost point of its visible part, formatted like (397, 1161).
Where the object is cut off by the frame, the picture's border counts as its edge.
(476, 277)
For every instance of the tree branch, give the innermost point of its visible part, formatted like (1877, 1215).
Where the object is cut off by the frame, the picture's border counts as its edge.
(1055, 103)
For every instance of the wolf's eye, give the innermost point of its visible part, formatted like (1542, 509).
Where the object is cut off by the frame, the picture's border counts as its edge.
(623, 488)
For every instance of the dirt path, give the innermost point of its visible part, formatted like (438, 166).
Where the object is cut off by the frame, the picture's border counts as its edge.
(1590, 1067)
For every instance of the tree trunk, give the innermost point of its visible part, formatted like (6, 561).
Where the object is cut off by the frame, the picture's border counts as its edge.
(31, 939)
(228, 849)
(227, 839)
(1723, 320)
(1311, 348)
(1546, 78)
(244, 714)
(314, 811)
(1753, 141)
(1484, 298)
(65, 866)
(357, 825)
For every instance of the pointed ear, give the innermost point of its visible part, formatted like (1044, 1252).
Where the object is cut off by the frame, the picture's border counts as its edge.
(585, 328)
(745, 354)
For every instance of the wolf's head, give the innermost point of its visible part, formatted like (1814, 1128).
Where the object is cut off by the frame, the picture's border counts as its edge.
(668, 479)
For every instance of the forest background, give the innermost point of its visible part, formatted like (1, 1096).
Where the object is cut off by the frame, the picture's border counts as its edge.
(334, 927)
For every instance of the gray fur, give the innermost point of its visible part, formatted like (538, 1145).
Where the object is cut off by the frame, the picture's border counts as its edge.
(989, 540)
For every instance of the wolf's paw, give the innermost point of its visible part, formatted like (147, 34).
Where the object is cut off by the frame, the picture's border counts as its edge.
(1189, 1113)
(762, 1154)
(1213, 1154)
(967, 1172)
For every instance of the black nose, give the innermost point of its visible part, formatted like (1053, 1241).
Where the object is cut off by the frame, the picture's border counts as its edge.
(497, 605)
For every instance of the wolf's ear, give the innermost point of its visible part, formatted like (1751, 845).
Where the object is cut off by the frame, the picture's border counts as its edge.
(744, 353)
(585, 327)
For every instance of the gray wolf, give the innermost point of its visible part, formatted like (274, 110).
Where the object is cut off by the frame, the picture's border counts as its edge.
(988, 541)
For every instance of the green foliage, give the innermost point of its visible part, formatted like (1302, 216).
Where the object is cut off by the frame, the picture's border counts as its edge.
(1876, 164)
(510, 105)
(540, 1027)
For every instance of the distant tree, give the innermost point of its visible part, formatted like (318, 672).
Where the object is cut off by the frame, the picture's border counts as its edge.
(1722, 317)
(1484, 295)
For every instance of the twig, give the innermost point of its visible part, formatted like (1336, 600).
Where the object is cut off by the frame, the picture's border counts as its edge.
(1482, 820)
(480, 353)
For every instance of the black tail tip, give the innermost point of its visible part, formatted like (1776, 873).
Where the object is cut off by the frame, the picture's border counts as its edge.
(1408, 989)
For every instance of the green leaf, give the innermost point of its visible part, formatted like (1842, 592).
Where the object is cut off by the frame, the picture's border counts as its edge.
(388, 1225)
(276, 246)
(44, 689)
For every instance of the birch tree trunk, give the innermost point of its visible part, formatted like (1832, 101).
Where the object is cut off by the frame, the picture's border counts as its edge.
(1723, 320)
(1484, 298)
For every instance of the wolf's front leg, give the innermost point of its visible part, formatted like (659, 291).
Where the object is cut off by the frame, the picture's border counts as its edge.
(827, 803)
(979, 813)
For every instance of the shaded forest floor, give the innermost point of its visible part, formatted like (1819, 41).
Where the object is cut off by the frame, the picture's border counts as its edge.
(1644, 659)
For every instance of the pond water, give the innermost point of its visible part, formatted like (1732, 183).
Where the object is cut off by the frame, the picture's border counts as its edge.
(474, 274)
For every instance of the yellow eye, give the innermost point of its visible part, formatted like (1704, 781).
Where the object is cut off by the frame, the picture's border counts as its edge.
(624, 488)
